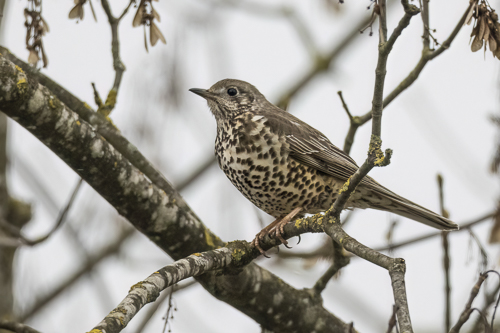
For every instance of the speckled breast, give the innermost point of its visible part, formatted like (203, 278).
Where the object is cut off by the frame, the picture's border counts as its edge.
(256, 160)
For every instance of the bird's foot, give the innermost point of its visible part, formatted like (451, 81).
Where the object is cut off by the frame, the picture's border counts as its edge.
(276, 229)
(256, 241)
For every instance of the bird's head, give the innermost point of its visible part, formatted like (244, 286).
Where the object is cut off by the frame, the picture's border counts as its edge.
(229, 98)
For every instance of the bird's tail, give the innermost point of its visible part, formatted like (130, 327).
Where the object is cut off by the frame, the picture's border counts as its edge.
(389, 201)
(418, 213)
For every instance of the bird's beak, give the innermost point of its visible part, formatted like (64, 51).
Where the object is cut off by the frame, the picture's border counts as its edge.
(202, 92)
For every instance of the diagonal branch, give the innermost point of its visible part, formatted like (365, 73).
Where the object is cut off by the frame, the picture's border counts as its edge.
(148, 290)
(427, 55)
(94, 260)
(331, 219)
(465, 315)
(159, 213)
(118, 65)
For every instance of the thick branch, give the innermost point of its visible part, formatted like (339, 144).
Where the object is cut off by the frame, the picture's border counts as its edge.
(148, 290)
(161, 214)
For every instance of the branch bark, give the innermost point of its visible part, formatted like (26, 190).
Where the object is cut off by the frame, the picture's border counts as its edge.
(159, 213)
(148, 290)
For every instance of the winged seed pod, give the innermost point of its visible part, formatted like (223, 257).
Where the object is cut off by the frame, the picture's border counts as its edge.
(77, 12)
(486, 30)
(145, 16)
(36, 28)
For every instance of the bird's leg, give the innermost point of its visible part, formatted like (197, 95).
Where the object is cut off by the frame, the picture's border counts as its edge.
(279, 228)
(263, 233)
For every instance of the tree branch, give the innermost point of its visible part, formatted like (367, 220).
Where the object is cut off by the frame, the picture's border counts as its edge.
(148, 290)
(118, 65)
(427, 55)
(111, 249)
(446, 256)
(160, 214)
(331, 219)
(339, 261)
(19, 239)
(154, 307)
(465, 315)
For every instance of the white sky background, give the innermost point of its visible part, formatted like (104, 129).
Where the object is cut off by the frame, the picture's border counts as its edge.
(440, 124)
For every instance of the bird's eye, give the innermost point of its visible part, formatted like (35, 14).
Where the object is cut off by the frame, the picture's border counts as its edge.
(232, 92)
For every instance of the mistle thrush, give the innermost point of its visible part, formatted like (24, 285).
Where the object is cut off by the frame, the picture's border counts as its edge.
(286, 167)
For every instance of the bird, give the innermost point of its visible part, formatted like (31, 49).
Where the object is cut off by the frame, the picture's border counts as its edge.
(286, 167)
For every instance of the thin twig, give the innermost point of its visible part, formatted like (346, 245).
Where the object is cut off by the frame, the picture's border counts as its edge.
(484, 254)
(156, 305)
(126, 10)
(149, 289)
(88, 267)
(393, 320)
(426, 34)
(353, 126)
(118, 65)
(414, 74)
(169, 307)
(418, 239)
(23, 240)
(197, 173)
(376, 157)
(322, 63)
(465, 315)
(339, 261)
(446, 255)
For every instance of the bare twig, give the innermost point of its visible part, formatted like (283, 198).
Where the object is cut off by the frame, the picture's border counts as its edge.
(426, 33)
(464, 226)
(169, 308)
(148, 290)
(446, 254)
(465, 315)
(484, 254)
(196, 174)
(156, 305)
(376, 157)
(427, 55)
(393, 320)
(92, 262)
(23, 240)
(339, 261)
(353, 126)
(118, 65)
(322, 63)
(490, 298)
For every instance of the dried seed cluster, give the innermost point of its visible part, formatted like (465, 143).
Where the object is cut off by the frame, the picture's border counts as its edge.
(36, 28)
(77, 11)
(145, 16)
(486, 29)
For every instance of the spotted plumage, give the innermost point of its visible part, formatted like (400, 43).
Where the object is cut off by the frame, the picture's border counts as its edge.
(286, 167)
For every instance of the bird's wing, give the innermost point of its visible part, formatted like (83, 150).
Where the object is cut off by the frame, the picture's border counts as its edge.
(310, 147)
